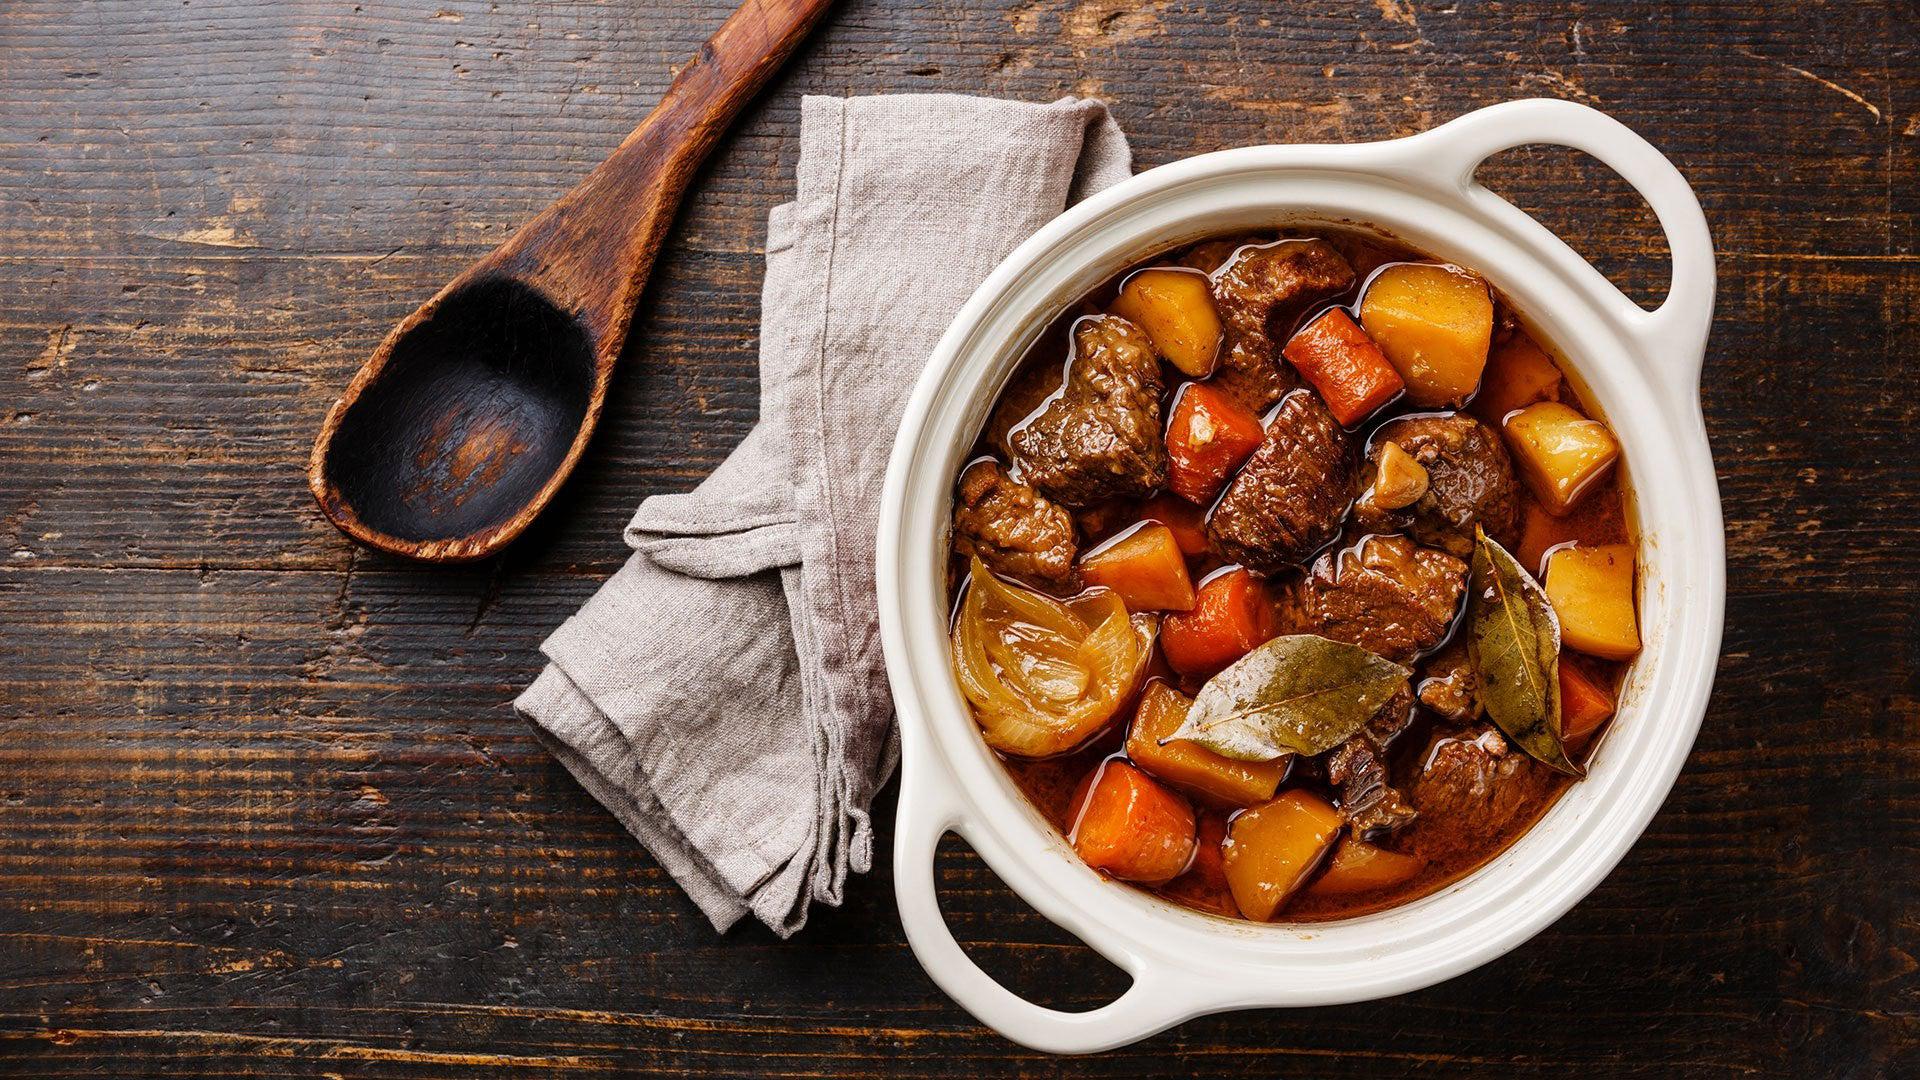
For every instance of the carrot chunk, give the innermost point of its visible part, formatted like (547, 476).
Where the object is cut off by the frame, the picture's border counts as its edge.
(1209, 436)
(1351, 373)
(1273, 847)
(1585, 703)
(1188, 522)
(1186, 764)
(1131, 827)
(1229, 617)
(1145, 566)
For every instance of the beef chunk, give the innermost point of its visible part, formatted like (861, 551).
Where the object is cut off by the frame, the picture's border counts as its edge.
(1290, 497)
(1260, 293)
(1470, 481)
(1385, 594)
(1022, 398)
(1210, 255)
(1472, 789)
(1393, 718)
(1100, 438)
(1447, 684)
(1357, 769)
(1014, 529)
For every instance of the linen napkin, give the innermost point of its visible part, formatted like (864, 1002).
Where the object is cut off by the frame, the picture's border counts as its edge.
(723, 693)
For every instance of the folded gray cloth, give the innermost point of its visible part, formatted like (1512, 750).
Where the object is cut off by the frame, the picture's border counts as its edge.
(723, 693)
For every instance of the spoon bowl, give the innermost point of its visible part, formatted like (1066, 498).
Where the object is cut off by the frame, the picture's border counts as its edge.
(463, 424)
(477, 409)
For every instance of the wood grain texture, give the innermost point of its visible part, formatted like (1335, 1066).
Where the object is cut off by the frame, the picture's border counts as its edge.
(264, 809)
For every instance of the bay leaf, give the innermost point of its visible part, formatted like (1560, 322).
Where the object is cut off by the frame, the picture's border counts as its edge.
(1513, 643)
(1299, 694)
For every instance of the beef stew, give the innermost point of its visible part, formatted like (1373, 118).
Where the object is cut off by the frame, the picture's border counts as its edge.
(1295, 579)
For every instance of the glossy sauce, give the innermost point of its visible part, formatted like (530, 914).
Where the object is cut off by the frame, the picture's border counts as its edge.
(1451, 848)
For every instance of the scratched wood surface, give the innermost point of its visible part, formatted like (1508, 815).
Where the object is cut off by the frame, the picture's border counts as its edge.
(264, 808)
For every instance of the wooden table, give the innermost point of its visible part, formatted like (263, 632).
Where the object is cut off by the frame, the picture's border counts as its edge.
(264, 808)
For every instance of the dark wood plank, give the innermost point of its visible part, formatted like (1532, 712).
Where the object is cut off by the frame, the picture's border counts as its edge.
(264, 808)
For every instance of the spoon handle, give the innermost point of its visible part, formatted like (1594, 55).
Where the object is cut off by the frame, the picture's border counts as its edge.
(591, 251)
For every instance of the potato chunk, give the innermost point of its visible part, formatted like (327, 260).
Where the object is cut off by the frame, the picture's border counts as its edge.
(1175, 307)
(1221, 780)
(1560, 452)
(1272, 848)
(1518, 374)
(1358, 867)
(1591, 589)
(1435, 324)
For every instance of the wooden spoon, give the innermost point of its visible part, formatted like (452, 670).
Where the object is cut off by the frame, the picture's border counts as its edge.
(464, 422)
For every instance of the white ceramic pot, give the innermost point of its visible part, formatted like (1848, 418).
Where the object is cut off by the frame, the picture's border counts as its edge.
(1642, 367)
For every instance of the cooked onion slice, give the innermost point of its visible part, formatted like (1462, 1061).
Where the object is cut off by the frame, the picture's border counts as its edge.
(1045, 675)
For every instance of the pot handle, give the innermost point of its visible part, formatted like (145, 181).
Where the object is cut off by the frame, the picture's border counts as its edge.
(1675, 333)
(1159, 998)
